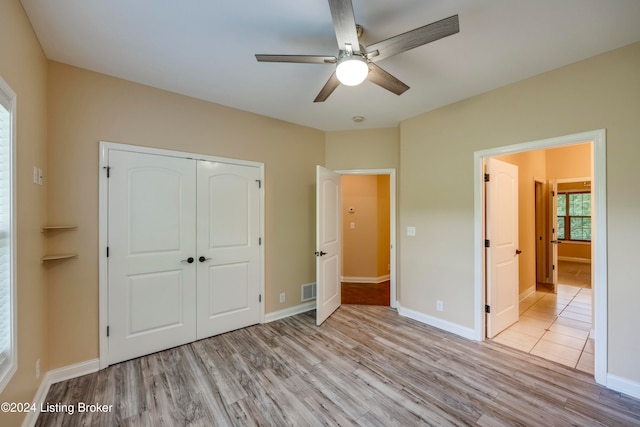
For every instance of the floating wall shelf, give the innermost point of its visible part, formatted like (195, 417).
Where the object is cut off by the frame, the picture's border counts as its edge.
(54, 257)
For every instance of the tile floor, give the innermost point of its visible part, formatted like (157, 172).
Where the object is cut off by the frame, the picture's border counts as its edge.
(555, 326)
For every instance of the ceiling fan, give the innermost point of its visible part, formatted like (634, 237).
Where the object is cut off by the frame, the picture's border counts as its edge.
(354, 62)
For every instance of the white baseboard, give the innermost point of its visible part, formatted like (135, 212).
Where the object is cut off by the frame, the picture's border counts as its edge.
(623, 385)
(574, 259)
(55, 376)
(356, 279)
(291, 311)
(528, 292)
(445, 325)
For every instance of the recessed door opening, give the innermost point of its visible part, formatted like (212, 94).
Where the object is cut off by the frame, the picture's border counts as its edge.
(333, 213)
(561, 280)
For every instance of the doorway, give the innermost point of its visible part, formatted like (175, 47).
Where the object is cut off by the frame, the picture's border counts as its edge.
(329, 230)
(598, 155)
(366, 253)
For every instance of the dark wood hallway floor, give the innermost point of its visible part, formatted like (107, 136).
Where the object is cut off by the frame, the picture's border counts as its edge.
(366, 293)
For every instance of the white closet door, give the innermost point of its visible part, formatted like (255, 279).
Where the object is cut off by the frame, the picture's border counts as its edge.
(152, 290)
(228, 247)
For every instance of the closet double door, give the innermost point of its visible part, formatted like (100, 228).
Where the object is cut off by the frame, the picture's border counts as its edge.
(184, 257)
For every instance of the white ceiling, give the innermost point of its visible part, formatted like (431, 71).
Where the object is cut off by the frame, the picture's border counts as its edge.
(205, 49)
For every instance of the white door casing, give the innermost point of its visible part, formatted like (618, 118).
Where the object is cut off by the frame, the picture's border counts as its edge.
(502, 254)
(151, 234)
(554, 234)
(328, 243)
(228, 247)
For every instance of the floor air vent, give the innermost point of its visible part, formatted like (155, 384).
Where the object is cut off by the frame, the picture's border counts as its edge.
(308, 292)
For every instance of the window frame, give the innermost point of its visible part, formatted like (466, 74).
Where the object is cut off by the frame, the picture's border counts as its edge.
(8, 99)
(567, 217)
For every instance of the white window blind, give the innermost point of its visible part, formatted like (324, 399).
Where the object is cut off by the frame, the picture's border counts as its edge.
(7, 289)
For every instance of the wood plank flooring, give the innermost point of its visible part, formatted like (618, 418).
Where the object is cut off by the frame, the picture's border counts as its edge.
(364, 366)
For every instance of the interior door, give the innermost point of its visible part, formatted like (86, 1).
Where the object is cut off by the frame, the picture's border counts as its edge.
(502, 254)
(228, 247)
(151, 266)
(554, 235)
(328, 245)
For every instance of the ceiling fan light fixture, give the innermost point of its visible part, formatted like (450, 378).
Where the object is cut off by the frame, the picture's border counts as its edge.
(352, 70)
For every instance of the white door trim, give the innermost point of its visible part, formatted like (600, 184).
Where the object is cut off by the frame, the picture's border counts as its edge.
(392, 223)
(599, 246)
(103, 188)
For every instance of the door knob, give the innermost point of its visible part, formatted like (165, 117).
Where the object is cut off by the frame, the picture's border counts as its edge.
(203, 259)
(189, 260)
(518, 251)
(320, 253)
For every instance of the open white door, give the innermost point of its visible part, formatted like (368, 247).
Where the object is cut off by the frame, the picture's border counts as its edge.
(328, 246)
(502, 253)
(554, 234)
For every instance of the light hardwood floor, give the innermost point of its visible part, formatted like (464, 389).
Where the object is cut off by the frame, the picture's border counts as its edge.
(364, 366)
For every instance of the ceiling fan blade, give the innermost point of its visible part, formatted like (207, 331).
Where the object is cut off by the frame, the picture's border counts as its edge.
(301, 59)
(344, 22)
(383, 79)
(328, 88)
(414, 38)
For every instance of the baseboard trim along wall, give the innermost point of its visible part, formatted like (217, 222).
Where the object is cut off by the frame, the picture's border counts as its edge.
(528, 292)
(623, 385)
(55, 376)
(574, 259)
(445, 325)
(356, 279)
(291, 311)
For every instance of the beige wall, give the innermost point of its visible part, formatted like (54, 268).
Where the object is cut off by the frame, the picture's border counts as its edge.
(363, 149)
(437, 184)
(86, 107)
(365, 247)
(23, 67)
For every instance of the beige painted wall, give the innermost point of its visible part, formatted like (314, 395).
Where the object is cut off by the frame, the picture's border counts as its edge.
(384, 218)
(360, 243)
(86, 107)
(363, 149)
(437, 148)
(365, 247)
(23, 67)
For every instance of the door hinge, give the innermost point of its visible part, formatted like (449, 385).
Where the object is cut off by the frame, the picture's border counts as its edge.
(487, 243)
(486, 177)
(107, 331)
(259, 181)
(487, 308)
(108, 169)
(260, 298)
(107, 251)
(553, 267)
(553, 194)
(259, 241)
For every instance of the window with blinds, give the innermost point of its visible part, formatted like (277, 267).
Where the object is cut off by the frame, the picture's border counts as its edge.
(8, 349)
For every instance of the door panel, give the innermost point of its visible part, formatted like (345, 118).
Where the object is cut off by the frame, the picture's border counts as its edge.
(328, 255)
(229, 247)
(151, 231)
(502, 259)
